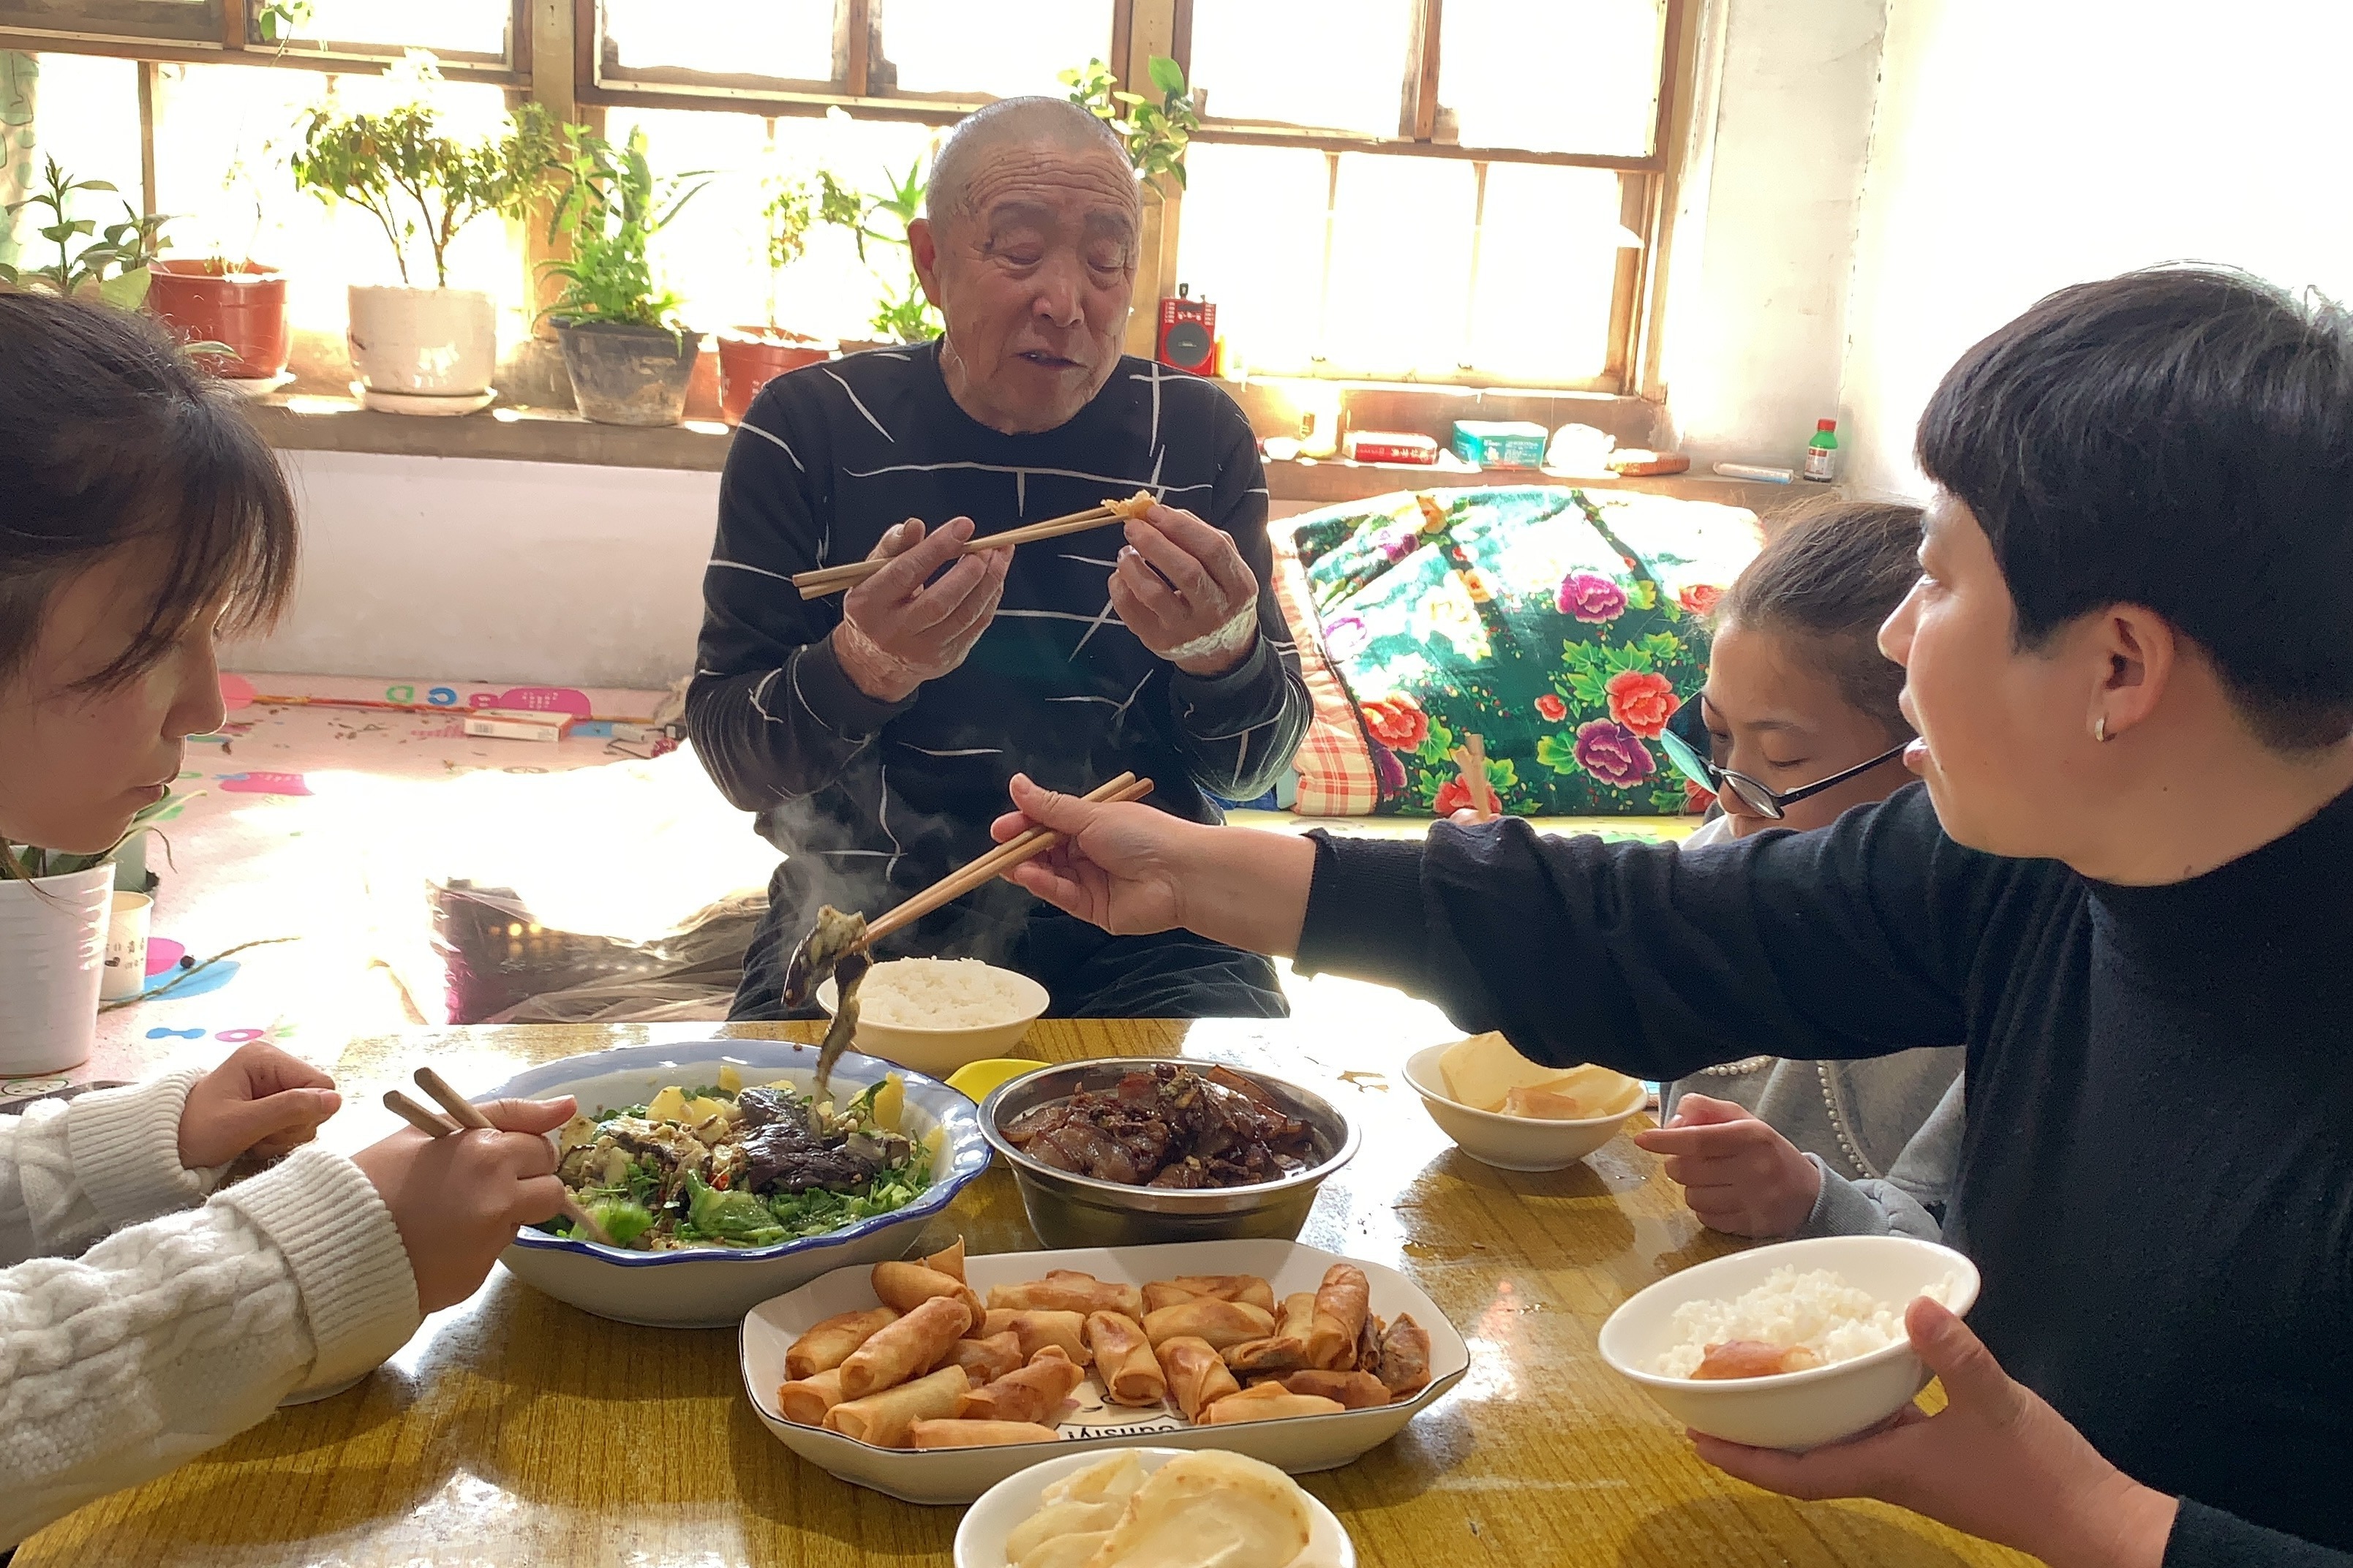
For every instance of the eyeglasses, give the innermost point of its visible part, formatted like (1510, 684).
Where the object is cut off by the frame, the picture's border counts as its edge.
(1688, 743)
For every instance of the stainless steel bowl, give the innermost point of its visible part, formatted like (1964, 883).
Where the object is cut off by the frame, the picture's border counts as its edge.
(1069, 1210)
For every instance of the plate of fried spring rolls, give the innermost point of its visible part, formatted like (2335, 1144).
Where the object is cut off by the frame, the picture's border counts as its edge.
(933, 1378)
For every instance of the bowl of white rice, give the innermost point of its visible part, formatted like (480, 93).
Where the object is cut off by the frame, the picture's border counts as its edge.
(935, 1014)
(1832, 1307)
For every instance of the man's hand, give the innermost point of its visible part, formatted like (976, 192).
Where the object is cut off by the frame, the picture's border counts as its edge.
(1737, 1173)
(458, 1199)
(899, 627)
(1186, 592)
(259, 1101)
(1997, 1462)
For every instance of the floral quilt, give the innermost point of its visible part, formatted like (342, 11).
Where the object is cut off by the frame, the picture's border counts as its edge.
(1562, 626)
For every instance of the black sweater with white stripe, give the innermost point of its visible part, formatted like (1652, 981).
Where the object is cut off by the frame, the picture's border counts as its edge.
(830, 456)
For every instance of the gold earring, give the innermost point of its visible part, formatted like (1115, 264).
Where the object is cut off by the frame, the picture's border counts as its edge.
(2100, 728)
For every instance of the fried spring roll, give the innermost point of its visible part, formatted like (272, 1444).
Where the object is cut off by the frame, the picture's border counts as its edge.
(883, 1419)
(1248, 1288)
(804, 1401)
(1222, 1323)
(950, 1262)
(1353, 1390)
(1123, 1360)
(1197, 1376)
(1063, 1290)
(978, 1434)
(1368, 1345)
(905, 1348)
(1405, 1358)
(1267, 1402)
(1286, 1349)
(1038, 1329)
(1033, 1392)
(904, 1287)
(985, 1359)
(1340, 1308)
(829, 1343)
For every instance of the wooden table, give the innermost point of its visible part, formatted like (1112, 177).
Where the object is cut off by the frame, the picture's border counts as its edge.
(515, 1430)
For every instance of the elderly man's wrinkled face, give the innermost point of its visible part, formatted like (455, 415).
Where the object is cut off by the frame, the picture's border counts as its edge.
(1034, 272)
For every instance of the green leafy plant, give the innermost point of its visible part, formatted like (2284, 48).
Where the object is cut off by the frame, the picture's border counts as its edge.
(903, 312)
(417, 181)
(280, 20)
(32, 864)
(1156, 134)
(785, 214)
(612, 205)
(110, 265)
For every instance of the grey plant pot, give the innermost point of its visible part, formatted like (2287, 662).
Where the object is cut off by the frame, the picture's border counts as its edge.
(627, 375)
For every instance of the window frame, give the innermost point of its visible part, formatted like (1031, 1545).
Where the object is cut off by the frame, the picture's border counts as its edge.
(239, 42)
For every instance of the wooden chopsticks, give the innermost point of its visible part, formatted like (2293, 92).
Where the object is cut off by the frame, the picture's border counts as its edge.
(987, 867)
(1471, 758)
(826, 580)
(467, 1118)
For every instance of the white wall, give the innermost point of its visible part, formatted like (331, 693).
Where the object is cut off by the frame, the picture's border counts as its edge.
(465, 569)
(2025, 144)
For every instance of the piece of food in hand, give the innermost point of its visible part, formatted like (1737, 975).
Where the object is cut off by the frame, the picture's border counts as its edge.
(1754, 1358)
(1545, 1105)
(903, 1349)
(1066, 1332)
(978, 1434)
(830, 1343)
(805, 1400)
(883, 1419)
(1222, 1323)
(1063, 1290)
(949, 1261)
(1267, 1402)
(1244, 1288)
(1125, 1361)
(1341, 1303)
(834, 945)
(1032, 1393)
(1133, 508)
(1404, 1369)
(904, 1287)
(1197, 1374)
(986, 1359)
(1353, 1390)
(1204, 1509)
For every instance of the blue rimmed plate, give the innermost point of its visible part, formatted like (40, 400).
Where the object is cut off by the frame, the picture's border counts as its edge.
(712, 1288)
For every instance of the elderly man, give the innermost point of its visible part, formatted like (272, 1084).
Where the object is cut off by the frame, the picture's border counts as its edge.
(875, 732)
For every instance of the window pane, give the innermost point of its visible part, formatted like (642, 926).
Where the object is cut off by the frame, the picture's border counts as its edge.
(1504, 70)
(444, 27)
(1304, 62)
(1251, 240)
(86, 116)
(1547, 265)
(953, 46)
(181, 21)
(1400, 264)
(792, 40)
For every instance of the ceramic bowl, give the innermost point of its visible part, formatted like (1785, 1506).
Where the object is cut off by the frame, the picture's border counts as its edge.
(1517, 1142)
(940, 1052)
(980, 1539)
(1797, 1410)
(712, 1288)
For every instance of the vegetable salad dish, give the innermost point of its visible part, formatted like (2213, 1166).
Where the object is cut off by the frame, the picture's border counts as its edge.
(730, 1166)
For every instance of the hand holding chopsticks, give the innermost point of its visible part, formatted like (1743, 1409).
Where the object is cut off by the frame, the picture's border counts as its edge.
(827, 580)
(465, 1117)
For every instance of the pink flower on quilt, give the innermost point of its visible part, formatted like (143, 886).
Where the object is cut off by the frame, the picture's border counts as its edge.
(1552, 708)
(1387, 770)
(1613, 753)
(1346, 638)
(1590, 597)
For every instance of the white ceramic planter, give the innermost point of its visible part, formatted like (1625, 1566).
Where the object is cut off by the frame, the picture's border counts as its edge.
(430, 343)
(52, 958)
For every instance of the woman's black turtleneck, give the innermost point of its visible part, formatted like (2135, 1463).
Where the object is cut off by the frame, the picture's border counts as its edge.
(2156, 1180)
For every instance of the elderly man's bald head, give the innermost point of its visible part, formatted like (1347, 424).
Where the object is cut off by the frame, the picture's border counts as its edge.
(1012, 122)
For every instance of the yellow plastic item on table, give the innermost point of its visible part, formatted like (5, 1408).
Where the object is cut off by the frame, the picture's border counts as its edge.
(974, 1081)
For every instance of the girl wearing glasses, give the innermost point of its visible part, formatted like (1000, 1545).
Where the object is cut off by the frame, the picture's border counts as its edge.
(1797, 722)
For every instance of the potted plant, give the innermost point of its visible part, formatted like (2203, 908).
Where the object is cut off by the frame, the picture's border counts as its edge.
(751, 357)
(903, 315)
(110, 264)
(629, 356)
(1156, 134)
(418, 350)
(227, 298)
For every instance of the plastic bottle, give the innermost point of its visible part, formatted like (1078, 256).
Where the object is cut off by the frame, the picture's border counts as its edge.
(1822, 452)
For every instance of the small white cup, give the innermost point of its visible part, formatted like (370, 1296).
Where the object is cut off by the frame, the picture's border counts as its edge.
(126, 946)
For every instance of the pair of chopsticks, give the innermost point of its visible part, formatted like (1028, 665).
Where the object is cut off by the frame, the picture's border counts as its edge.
(469, 1119)
(1471, 758)
(827, 580)
(987, 868)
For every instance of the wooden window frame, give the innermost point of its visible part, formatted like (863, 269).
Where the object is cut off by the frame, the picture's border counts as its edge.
(239, 43)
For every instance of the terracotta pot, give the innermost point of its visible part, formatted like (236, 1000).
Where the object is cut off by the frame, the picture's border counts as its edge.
(627, 375)
(751, 357)
(240, 303)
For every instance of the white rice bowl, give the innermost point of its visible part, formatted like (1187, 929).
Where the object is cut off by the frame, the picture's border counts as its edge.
(1816, 1308)
(936, 1015)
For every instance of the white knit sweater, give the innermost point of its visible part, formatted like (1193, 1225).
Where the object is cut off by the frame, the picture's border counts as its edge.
(176, 1334)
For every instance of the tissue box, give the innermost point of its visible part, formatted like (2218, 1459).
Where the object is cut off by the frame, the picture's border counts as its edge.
(1500, 443)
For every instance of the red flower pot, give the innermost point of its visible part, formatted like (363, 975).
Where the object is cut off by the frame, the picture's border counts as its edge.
(240, 303)
(751, 357)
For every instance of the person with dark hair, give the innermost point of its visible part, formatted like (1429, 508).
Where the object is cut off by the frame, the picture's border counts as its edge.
(2128, 661)
(140, 517)
(874, 733)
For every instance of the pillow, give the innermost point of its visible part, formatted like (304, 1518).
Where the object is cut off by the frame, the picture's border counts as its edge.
(1334, 763)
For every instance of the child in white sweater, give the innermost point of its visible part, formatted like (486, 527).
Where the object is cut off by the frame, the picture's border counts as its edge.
(139, 517)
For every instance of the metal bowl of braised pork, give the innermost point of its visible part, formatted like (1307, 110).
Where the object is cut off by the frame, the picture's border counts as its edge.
(1127, 1150)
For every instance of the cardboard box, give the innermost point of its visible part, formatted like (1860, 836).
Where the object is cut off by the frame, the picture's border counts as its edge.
(512, 724)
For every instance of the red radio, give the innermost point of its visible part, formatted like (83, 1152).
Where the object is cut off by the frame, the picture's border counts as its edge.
(1188, 334)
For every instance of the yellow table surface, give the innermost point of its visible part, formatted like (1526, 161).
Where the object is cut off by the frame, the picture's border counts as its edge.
(516, 1431)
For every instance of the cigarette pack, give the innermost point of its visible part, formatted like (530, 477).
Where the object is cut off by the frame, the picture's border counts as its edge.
(512, 724)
